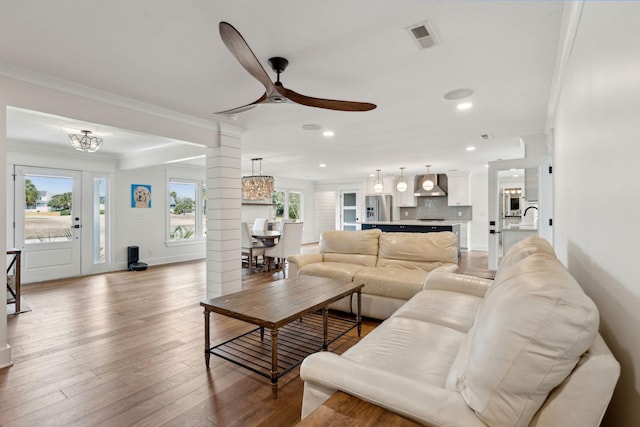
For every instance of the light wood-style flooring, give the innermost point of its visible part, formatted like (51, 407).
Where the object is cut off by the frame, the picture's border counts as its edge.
(126, 348)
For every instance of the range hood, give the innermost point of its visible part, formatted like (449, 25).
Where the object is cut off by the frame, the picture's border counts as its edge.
(440, 185)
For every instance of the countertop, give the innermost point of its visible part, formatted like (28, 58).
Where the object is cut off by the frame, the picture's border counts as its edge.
(520, 227)
(414, 222)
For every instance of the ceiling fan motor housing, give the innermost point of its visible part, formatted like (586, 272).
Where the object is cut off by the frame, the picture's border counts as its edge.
(278, 64)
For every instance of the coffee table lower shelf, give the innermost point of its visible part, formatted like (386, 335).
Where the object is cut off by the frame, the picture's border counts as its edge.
(296, 340)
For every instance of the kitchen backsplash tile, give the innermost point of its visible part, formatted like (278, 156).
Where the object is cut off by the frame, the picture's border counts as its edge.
(436, 207)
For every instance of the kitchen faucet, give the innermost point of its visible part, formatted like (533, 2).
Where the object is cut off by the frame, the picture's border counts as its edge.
(530, 207)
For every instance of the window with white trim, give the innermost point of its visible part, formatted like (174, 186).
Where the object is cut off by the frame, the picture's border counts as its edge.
(187, 204)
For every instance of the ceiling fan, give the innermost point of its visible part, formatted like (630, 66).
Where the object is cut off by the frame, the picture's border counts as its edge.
(275, 92)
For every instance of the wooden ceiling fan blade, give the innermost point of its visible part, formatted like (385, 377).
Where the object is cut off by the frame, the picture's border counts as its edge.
(245, 56)
(260, 100)
(329, 104)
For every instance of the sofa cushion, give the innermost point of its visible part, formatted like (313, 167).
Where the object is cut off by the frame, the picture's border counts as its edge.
(417, 250)
(391, 282)
(409, 348)
(454, 310)
(333, 270)
(529, 333)
(363, 243)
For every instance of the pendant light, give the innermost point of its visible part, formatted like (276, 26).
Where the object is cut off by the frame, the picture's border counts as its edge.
(257, 187)
(377, 183)
(428, 184)
(402, 182)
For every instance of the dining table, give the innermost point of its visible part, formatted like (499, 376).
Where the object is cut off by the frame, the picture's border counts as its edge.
(268, 237)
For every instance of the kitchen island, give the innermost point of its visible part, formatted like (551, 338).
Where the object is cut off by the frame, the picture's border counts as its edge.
(513, 233)
(415, 226)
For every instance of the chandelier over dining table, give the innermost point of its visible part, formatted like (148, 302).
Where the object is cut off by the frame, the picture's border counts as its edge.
(257, 187)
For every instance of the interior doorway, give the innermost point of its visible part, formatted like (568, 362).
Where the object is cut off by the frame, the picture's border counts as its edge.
(519, 203)
(349, 210)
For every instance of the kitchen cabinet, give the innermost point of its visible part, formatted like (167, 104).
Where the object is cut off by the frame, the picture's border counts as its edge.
(458, 193)
(464, 235)
(406, 199)
(531, 184)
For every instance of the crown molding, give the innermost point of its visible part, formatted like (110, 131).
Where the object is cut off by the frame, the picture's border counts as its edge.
(50, 82)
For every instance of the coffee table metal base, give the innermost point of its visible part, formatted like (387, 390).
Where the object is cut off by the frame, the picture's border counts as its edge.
(294, 341)
(276, 307)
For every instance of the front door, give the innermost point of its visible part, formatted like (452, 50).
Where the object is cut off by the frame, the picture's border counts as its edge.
(47, 222)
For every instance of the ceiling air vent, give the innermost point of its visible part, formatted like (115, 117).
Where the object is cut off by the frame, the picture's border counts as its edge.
(423, 35)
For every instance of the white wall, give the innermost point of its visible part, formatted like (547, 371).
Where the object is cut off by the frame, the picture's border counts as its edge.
(147, 228)
(597, 152)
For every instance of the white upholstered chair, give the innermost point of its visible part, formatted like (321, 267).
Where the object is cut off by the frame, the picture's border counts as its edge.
(288, 244)
(260, 225)
(251, 248)
(284, 221)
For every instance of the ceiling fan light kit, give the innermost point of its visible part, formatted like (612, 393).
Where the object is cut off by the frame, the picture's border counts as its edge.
(275, 92)
(257, 187)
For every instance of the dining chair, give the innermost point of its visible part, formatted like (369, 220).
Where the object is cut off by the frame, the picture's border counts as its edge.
(284, 221)
(288, 244)
(251, 248)
(260, 225)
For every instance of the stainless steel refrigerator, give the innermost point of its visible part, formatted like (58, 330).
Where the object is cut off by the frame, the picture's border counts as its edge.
(378, 208)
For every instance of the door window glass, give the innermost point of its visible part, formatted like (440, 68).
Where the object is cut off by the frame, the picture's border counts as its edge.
(47, 209)
(99, 230)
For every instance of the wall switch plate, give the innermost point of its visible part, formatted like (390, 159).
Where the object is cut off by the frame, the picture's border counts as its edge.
(459, 213)
(406, 214)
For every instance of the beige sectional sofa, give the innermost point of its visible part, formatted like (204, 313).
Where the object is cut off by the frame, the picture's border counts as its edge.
(392, 266)
(521, 350)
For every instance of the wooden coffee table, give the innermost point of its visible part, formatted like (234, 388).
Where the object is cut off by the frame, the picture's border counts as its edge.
(274, 307)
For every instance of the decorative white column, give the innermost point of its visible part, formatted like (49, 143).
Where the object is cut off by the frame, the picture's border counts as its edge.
(224, 270)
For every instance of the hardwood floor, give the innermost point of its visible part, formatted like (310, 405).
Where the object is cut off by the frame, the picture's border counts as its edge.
(126, 348)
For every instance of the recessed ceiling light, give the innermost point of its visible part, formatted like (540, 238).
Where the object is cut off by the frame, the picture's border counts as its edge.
(311, 126)
(486, 166)
(328, 133)
(323, 165)
(464, 106)
(458, 94)
(471, 148)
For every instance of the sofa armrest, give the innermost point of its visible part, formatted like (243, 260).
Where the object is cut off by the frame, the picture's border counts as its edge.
(457, 283)
(447, 268)
(424, 403)
(296, 262)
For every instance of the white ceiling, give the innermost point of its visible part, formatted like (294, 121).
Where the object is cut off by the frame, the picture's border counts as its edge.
(169, 54)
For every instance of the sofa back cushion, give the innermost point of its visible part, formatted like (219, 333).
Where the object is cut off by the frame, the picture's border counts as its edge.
(423, 251)
(524, 248)
(353, 247)
(529, 333)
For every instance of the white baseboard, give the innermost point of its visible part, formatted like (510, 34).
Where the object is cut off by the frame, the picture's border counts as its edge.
(5, 357)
